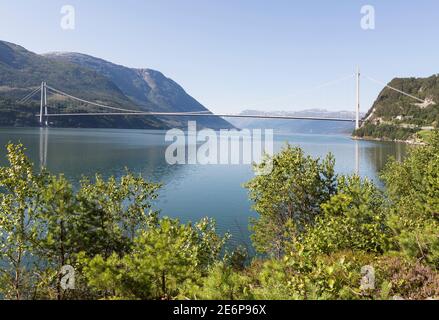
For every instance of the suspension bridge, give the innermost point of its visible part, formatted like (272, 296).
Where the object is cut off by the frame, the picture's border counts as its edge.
(44, 114)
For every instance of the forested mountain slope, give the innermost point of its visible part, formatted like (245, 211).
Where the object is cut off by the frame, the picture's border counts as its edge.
(395, 116)
(95, 80)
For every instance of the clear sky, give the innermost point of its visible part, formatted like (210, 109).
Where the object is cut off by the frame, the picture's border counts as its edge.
(238, 54)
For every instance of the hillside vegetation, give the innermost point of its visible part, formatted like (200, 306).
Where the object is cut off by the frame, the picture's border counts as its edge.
(147, 88)
(395, 116)
(91, 79)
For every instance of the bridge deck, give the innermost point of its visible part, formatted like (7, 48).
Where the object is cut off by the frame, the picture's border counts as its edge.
(188, 114)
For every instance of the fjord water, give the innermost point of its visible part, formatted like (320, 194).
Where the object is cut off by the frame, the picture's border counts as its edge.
(190, 192)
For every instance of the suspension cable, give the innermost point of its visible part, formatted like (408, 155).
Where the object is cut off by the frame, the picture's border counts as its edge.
(188, 113)
(397, 90)
(114, 108)
(322, 85)
(29, 95)
(88, 102)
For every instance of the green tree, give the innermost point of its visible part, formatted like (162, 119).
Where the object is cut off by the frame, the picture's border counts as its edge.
(109, 213)
(164, 257)
(354, 218)
(290, 195)
(19, 198)
(55, 232)
(45, 224)
(222, 282)
(413, 189)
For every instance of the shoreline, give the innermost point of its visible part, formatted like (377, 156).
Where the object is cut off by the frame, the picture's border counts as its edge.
(409, 142)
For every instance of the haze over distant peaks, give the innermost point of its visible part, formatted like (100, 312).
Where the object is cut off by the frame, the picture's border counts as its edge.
(298, 126)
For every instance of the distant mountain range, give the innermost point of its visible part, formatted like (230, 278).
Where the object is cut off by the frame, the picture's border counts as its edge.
(298, 126)
(96, 80)
(395, 116)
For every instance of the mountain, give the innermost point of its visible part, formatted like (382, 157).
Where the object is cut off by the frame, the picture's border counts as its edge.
(299, 126)
(148, 88)
(22, 70)
(95, 80)
(395, 116)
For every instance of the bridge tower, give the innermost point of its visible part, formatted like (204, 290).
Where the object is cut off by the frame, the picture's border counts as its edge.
(43, 104)
(357, 107)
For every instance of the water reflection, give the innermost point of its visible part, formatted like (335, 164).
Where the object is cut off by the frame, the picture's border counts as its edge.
(86, 152)
(357, 157)
(44, 136)
(377, 154)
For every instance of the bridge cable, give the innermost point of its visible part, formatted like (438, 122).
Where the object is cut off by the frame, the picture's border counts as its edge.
(88, 102)
(397, 90)
(190, 113)
(310, 90)
(114, 108)
(30, 95)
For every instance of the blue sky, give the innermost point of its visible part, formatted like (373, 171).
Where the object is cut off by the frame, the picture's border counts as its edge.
(238, 54)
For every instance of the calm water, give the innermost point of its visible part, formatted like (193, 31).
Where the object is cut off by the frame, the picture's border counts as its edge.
(190, 192)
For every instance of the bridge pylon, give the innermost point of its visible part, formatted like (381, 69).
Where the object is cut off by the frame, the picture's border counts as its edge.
(43, 105)
(357, 107)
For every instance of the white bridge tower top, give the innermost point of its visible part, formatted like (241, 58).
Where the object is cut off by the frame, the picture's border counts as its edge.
(357, 107)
